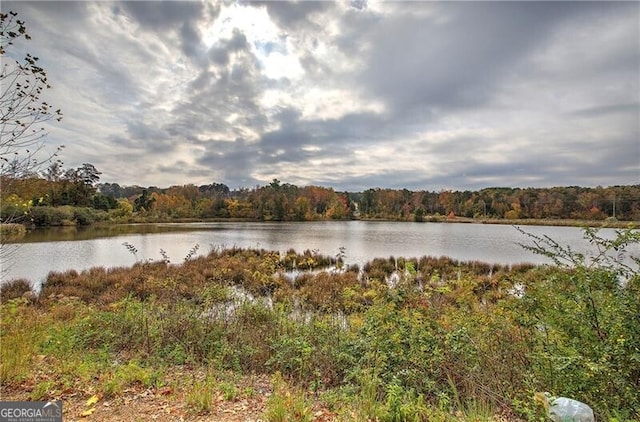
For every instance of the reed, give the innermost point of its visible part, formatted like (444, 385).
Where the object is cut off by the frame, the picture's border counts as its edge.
(450, 340)
(10, 232)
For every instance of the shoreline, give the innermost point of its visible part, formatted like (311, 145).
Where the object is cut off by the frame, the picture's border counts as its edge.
(551, 222)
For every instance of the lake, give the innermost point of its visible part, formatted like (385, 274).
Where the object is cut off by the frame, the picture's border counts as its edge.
(60, 249)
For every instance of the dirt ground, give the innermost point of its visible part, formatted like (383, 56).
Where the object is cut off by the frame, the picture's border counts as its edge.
(168, 403)
(150, 405)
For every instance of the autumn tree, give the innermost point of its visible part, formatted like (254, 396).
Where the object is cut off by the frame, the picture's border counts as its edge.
(22, 111)
(22, 107)
(170, 205)
(340, 208)
(77, 186)
(143, 202)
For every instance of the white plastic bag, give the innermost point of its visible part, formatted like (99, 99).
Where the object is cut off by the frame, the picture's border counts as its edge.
(562, 409)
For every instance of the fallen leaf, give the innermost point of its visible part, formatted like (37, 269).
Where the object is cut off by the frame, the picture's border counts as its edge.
(92, 400)
(88, 412)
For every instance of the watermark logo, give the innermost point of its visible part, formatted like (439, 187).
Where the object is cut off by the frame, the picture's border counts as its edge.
(30, 411)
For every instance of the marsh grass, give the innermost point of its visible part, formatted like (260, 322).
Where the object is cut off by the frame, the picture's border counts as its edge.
(10, 232)
(448, 342)
(14, 289)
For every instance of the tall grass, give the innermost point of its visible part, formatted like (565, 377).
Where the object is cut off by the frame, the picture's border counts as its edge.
(450, 340)
(20, 331)
(287, 404)
(10, 232)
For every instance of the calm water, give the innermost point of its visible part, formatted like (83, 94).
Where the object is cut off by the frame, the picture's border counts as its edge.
(42, 251)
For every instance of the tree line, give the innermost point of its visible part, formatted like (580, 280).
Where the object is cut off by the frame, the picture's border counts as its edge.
(572, 202)
(34, 197)
(56, 195)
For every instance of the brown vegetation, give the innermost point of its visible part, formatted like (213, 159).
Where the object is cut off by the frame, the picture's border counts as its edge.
(404, 339)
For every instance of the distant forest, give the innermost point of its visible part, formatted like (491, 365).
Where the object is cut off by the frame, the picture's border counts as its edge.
(74, 196)
(286, 202)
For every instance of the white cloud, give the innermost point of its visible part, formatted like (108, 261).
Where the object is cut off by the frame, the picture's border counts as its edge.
(413, 94)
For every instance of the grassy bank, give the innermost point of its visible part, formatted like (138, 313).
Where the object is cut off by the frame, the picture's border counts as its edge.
(553, 222)
(609, 223)
(399, 339)
(10, 232)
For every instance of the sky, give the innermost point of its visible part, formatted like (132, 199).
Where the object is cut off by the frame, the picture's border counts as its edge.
(349, 94)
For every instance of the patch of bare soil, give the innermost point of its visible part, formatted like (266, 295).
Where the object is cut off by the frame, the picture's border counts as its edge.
(167, 403)
(163, 406)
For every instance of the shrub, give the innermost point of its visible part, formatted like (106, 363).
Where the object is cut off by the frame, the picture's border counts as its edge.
(50, 216)
(451, 341)
(14, 289)
(247, 333)
(84, 216)
(324, 291)
(13, 208)
(63, 216)
(312, 350)
(583, 322)
(400, 345)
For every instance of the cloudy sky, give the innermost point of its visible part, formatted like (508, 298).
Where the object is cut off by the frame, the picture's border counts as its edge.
(349, 94)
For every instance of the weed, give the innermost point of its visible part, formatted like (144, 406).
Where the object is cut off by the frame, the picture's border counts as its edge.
(476, 410)
(228, 390)
(287, 404)
(192, 252)
(201, 395)
(10, 232)
(129, 375)
(580, 325)
(20, 330)
(403, 405)
(41, 391)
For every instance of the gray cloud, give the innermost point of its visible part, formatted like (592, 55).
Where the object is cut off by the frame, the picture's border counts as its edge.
(422, 95)
(455, 57)
(606, 110)
(219, 54)
(162, 15)
(167, 16)
(292, 14)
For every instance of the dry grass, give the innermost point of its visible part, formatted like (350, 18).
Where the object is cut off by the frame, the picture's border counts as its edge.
(450, 339)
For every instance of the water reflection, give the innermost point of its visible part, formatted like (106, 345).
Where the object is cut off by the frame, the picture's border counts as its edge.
(75, 233)
(60, 249)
